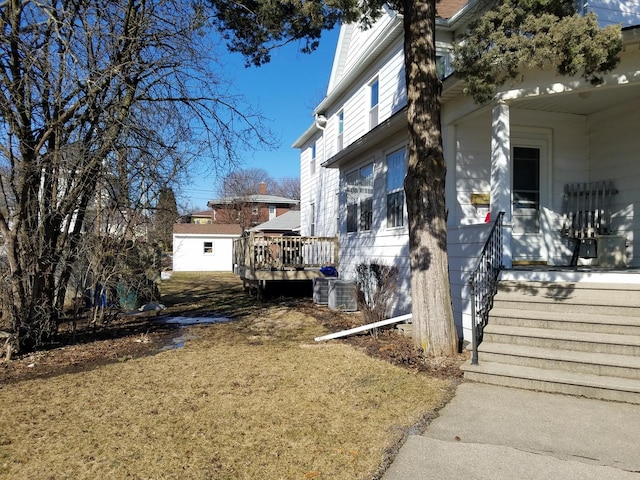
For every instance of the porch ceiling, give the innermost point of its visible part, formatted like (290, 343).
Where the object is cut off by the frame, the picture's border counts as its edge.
(586, 102)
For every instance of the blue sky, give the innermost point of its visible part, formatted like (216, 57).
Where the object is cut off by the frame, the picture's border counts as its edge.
(286, 91)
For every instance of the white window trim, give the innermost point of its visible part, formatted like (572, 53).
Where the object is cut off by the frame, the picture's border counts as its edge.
(340, 134)
(359, 230)
(374, 115)
(387, 154)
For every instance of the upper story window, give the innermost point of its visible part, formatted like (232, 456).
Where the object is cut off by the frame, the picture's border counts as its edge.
(360, 199)
(312, 163)
(340, 130)
(373, 103)
(272, 212)
(443, 64)
(396, 171)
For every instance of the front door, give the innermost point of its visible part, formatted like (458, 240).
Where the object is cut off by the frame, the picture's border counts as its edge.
(529, 200)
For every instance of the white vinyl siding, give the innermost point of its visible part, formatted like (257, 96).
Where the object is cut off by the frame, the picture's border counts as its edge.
(319, 189)
(613, 146)
(360, 39)
(350, 119)
(625, 12)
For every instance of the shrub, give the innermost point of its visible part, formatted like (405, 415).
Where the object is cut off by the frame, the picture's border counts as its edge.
(376, 285)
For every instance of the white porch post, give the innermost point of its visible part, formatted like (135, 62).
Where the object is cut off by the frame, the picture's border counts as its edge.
(501, 173)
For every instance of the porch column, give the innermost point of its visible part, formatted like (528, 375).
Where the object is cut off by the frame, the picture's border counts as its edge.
(501, 173)
(450, 153)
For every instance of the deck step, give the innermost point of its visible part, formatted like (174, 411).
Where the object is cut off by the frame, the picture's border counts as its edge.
(624, 366)
(556, 381)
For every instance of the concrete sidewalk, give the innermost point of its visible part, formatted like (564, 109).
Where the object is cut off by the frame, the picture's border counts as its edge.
(493, 433)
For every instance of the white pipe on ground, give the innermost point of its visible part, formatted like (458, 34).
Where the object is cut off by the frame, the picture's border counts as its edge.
(362, 328)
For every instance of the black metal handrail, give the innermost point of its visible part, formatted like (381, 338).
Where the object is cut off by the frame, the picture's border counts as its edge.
(484, 284)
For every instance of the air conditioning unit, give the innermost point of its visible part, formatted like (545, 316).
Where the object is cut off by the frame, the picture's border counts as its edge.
(321, 290)
(342, 295)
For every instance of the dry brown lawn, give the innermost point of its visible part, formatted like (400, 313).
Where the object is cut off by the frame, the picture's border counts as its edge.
(256, 398)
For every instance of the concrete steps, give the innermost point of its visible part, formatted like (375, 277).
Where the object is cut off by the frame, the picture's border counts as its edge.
(567, 337)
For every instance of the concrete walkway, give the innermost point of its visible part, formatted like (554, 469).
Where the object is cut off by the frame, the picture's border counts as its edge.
(493, 433)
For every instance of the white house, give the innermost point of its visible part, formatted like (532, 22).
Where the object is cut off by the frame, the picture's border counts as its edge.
(204, 247)
(516, 154)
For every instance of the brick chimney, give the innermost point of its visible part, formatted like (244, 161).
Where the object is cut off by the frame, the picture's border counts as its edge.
(262, 190)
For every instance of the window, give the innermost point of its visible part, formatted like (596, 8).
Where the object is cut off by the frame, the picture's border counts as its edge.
(396, 171)
(255, 211)
(312, 164)
(272, 212)
(340, 130)
(312, 214)
(360, 199)
(208, 248)
(373, 105)
(443, 65)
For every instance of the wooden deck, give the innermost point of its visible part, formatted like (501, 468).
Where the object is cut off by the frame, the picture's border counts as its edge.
(261, 258)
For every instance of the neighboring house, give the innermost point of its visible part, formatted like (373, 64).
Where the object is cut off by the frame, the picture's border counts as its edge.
(515, 154)
(204, 247)
(250, 210)
(288, 222)
(201, 218)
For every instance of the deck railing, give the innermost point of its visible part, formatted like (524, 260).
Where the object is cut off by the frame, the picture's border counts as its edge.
(270, 252)
(484, 284)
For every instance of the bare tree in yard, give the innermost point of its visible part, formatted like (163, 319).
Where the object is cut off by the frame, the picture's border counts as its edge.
(238, 191)
(244, 182)
(100, 103)
(254, 28)
(287, 187)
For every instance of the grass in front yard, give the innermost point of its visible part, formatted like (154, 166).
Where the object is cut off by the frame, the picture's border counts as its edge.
(255, 398)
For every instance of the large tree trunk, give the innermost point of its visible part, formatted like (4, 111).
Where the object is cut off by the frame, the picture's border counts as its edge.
(434, 329)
